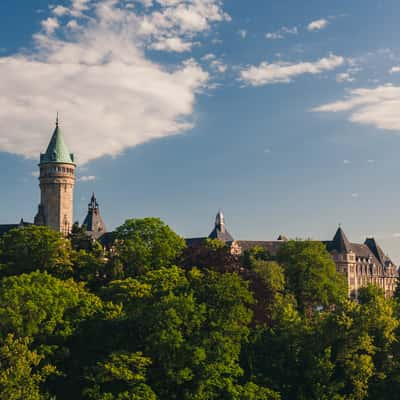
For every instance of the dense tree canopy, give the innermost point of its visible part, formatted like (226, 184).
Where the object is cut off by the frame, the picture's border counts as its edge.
(145, 244)
(148, 319)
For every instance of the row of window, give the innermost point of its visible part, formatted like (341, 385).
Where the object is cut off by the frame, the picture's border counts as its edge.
(53, 170)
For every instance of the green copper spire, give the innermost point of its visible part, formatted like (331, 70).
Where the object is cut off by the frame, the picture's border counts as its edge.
(57, 151)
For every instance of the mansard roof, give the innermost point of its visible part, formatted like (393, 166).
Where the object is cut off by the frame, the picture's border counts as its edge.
(57, 151)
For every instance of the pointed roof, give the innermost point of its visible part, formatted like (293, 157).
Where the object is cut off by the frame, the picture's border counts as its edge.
(340, 242)
(377, 250)
(93, 222)
(57, 151)
(219, 232)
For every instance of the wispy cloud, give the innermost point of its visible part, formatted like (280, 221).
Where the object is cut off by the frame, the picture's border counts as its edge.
(90, 63)
(395, 70)
(317, 25)
(242, 33)
(344, 77)
(379, 107)
(284, 72)
(282, 32)
(87, 178)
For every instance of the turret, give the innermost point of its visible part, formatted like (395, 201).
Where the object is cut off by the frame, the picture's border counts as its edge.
(220, 232)
(93, 222)
(57, 181)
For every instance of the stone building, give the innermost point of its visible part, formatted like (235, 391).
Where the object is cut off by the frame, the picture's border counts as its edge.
(361, 264)
(57, 184)
(57, 181)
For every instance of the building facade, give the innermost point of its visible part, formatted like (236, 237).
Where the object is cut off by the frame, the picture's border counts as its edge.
(361, 264)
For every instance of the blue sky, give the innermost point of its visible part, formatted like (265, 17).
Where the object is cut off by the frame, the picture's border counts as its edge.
(285, 115)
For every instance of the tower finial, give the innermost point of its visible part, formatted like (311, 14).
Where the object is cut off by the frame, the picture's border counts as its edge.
(57, 120)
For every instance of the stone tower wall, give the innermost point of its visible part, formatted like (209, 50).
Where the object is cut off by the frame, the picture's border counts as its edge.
(57, 183)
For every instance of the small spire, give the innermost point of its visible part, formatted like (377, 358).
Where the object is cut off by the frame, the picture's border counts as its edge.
(57, 121)
(220, 221)
(93, 205)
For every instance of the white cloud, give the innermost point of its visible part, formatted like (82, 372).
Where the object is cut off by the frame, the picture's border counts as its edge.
(379, 107)
(50, 25)
(87, 178)
(73, 24)
(111, 96)
(344, 77)
(242, 33)
(219, 66)
(175, 44)
(354, 195)
(282, 32)
(284, 72)
(346, 162)
(60, 11)
(273, 35)
(317, 25)
(395, 70)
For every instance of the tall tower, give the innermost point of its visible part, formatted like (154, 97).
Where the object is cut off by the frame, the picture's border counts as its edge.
(57, 181)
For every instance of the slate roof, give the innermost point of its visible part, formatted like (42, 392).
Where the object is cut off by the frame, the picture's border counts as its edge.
(4, 228)
(57, 151)
(222, 235)
(220, 232)
(340, 243)
(93, 222)
(367, 252)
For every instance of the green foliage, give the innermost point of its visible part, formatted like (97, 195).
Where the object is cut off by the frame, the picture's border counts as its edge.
(311, 274)
(32, 248)
(145, 244)
(37, 304)
(149, 319)
(121, 376)
(211, 254)
(21, 373)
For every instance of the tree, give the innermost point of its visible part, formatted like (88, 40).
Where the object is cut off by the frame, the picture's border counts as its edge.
(311, 274)
(80, 240)
(21, 373)
(145, 244)
(211, 254)
(192, 325)
(38, 305)
(23, 250)
(122, 376)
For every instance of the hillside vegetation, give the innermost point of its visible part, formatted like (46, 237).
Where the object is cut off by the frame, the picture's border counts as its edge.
(151, 319)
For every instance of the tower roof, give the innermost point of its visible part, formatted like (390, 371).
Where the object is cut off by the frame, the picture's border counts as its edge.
(93, 222)
(340, 242)
(57, 151)
(219, 232)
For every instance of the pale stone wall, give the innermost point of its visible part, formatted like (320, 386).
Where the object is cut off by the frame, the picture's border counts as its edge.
(57, 183)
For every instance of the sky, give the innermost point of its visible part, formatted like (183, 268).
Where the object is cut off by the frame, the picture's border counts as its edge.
(284, 114)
